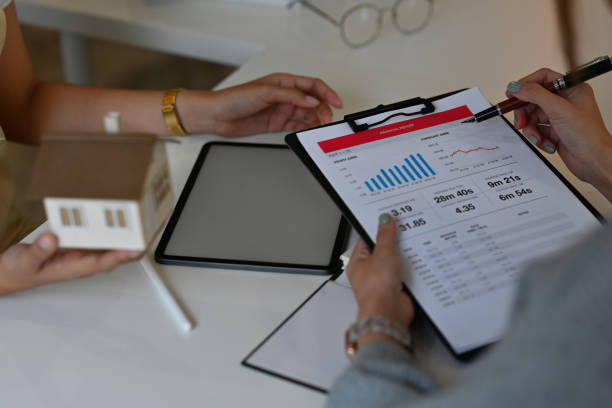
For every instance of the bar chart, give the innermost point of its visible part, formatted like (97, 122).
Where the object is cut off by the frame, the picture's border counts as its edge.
(413, 167)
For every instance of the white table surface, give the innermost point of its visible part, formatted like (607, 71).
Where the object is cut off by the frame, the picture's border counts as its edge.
(107, 340)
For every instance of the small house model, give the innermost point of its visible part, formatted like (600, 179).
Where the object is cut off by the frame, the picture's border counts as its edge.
(103, 191)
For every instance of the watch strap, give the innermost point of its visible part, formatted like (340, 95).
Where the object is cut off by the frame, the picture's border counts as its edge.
(171, 117)
(376, 324)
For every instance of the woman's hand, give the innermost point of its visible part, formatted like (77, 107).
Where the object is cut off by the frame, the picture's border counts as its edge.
(376, 279)
(31, 108)
(26, 266)
(277, 102)
(569, 123)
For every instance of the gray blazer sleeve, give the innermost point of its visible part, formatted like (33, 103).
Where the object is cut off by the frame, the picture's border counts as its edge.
(556, 353)
(382, 375)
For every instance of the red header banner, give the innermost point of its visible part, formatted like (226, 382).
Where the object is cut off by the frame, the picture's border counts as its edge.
(394, 129)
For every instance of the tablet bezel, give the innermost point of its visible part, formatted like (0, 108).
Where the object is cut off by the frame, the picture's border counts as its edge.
(331, 267)
(294, 143)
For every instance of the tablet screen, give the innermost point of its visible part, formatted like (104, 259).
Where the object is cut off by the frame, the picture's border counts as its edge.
(251, 204)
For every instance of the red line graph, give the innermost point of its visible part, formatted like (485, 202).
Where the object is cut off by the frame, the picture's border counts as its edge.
(473, 150)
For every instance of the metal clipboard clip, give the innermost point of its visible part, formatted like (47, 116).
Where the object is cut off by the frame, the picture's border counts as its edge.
(351, 119)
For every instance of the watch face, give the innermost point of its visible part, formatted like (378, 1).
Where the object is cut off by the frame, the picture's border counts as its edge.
(351, 346)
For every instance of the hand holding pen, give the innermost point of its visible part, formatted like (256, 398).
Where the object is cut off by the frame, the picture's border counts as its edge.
(592, 69)
(568, 122)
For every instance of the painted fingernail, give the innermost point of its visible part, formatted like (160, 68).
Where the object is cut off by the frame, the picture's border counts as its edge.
(311, 100)
(384, 219)
(549, 149)
(533, 139)
(515, 121)
(514, 86)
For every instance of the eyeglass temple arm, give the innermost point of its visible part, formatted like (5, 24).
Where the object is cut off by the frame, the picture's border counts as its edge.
(315, 10)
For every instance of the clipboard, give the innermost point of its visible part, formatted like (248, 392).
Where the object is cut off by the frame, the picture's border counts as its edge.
(358, 123)
(280, 372)
(427, 107)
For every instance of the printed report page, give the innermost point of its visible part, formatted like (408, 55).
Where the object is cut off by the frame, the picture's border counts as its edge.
(472, 202)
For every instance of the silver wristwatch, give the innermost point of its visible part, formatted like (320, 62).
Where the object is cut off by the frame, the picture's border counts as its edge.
(376, 324)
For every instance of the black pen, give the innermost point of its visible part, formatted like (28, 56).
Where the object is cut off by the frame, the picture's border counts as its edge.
(581, 74)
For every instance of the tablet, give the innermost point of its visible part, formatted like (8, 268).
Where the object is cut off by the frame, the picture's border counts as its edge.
(474, 203)
(253, 206)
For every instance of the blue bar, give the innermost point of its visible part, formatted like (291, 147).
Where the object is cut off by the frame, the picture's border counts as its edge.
(369, 186)
(382, 182)
(426, 164)
(401, 174)
(395, 177)
(419, 165)
(408, 172)
(413, 169)
(375, 183)
(387, 177)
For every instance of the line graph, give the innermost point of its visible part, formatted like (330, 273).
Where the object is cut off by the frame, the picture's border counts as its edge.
(473, 150)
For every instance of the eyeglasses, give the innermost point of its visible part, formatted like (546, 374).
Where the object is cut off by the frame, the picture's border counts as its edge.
(361, 25)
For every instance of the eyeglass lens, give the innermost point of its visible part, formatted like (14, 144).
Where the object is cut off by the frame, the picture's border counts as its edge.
(411, 15)
(361, 24)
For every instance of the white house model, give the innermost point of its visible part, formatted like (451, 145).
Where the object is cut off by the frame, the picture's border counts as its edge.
(103, 191)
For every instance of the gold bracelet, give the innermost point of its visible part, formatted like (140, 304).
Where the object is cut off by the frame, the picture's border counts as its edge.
(171, 117)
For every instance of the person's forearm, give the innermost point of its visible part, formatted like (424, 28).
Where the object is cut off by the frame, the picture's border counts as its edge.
(56, 107)
(603, 183)
(31, 108)
(605, 188)
(3, 287)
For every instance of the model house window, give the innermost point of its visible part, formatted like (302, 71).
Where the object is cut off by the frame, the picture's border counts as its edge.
(71, 217)
(65, 215)
(115, 218)
(108, 216)
(76, 217)
(121, 218)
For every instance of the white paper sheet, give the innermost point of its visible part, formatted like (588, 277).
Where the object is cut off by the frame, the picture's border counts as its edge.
(472, 201)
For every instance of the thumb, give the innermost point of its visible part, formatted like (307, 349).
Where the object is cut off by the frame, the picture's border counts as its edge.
(387, 234)
(277, 94)
(40, 251)
(553, 105)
